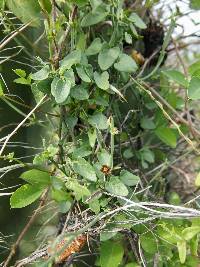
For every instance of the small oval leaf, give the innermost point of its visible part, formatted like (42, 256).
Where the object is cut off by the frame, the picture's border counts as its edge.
(41, 74)
(126, 64)
(107, 57)
(128, 178)
(36, 177)
(60, 89)
(85, 169)
(116, 187)
(25, 195)
(102, 80)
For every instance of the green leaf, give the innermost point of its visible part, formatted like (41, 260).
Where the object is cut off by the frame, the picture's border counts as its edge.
(148, 243)
(42, 86)
(195, 4)
(41, 74)
(107, 57)
(89, 71)
(81, 42)
(20, 72)
(147, 123)
(82, 74)
(128, 153)
(133, 30)
(111, 254)
(68, 75)
(104, 158)
(85, 169)
(174, 199)
(104, 236)
(189, 232)
(94, 47)
(98, 121)
(128, 178)
(22, 81)
(71, 121)
(45, 5)
(176, 76)
(2, 4)
(102, 80)
(147, 155)
(168, 234)
(101, 100)
(194, 89)
(92, 135)
(1, 88)
(79, 92)
(194, 245)
(56, 183)
(60, 89)
(181, 245)
(82, 151)
(79, 190)
(36, 177)
(64, 206)
(197, 180)
(94, 206)
(126, 64)
(25, 195)
(59, 195)
(194, 69)
(25, 10)
(94, 17)
(95, 3)
(116, 187)
(71, 59)
(36, 93)
(137, 21)
(128, 38)
(166, 135)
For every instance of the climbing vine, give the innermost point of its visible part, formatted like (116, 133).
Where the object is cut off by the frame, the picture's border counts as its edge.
(110, 112)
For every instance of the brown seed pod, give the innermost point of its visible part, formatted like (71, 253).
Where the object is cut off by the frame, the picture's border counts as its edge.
(105, 169)
(75, 246)
(93, 106)
(138, 57)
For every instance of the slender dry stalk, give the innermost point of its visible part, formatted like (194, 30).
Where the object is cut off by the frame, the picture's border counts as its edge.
(15, 33)
(20, 124)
